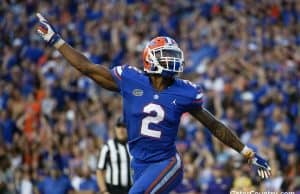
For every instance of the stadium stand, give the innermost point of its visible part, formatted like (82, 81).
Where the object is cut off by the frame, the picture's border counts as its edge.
(244, 53)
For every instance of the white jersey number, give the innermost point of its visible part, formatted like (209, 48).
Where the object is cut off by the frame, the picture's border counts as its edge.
(160, 114)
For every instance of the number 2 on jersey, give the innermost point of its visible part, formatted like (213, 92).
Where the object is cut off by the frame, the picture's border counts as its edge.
(160, 114)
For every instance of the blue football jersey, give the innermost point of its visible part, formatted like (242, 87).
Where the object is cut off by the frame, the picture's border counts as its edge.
(152, 117)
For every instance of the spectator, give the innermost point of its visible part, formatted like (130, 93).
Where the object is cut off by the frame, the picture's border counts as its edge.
(88, 182)
(55, 182)
(285, 142)
(189, 184)
(241, 181)
(26, 186)
(220, 182)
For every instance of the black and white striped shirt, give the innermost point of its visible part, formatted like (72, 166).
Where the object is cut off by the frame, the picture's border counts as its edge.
(115, 159)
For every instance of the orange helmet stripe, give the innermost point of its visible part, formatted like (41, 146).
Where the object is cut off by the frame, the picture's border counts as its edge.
(157, 42)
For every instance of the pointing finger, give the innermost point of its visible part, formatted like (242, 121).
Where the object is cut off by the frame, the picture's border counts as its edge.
(41, 18)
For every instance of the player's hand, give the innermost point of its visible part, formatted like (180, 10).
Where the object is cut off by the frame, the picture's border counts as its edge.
(259, 163)
(262, 166)
(47, 32)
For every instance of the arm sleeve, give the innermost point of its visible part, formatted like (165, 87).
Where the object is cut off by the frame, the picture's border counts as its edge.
(117, 73)
(125, 75)
(197, 99)
(103, 158)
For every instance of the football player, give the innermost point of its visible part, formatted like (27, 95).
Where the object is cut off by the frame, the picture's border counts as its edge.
(154, 101)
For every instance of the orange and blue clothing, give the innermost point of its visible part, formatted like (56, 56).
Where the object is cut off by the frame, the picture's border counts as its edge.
(152, 118)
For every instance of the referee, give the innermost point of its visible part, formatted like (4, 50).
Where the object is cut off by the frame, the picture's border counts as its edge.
(113, 173)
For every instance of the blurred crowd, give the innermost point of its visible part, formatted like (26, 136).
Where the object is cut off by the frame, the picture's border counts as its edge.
(244, 53)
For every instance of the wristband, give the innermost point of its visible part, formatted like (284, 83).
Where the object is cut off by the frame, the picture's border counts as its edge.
(56, 41)
(59, 43)
(247, 152)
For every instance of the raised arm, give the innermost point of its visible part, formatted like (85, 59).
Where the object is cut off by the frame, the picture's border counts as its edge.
(224, 134)
(99, 74)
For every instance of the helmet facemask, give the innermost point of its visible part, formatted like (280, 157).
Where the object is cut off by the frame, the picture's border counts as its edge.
(168, 59)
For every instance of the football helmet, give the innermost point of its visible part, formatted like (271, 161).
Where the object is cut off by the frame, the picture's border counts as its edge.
(163, 56)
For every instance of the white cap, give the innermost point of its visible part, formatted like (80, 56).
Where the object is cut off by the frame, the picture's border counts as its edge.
(247, 96)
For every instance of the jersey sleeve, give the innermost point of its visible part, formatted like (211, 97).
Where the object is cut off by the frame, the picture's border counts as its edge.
(117, 73)
(124, 74)
(103, 157)
(196, 101)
